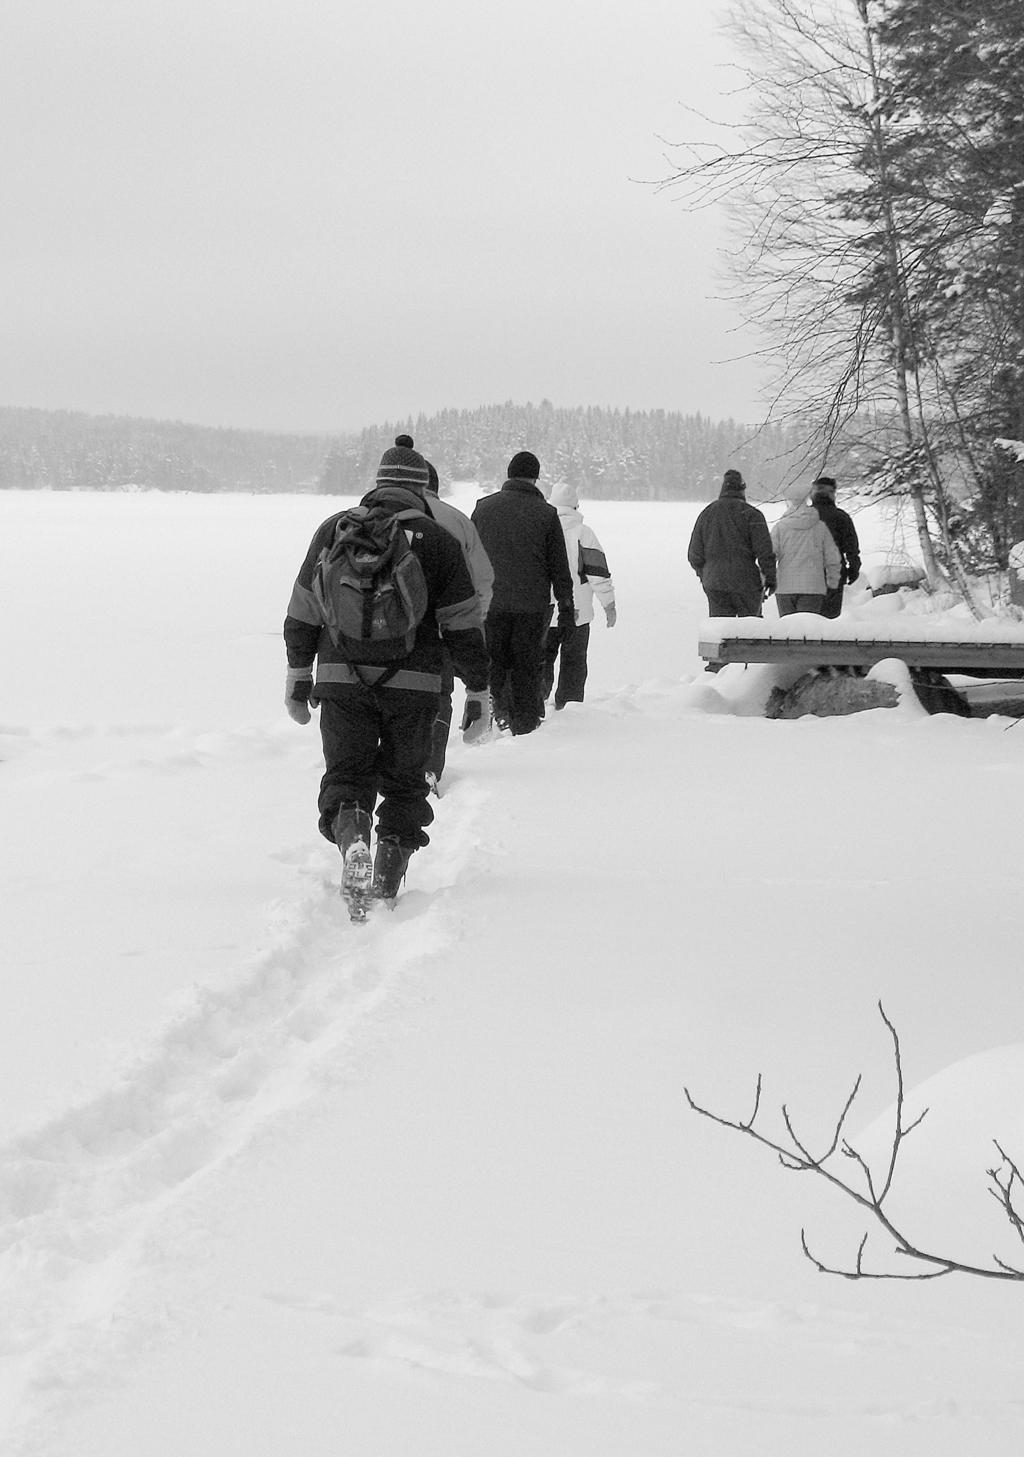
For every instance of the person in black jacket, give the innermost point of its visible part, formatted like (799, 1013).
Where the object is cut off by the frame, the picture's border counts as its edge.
(844, 534)
(522, 537)
(376, 723)
(731, 552)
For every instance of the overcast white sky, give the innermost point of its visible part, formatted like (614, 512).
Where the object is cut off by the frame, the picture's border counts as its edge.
(320, 214)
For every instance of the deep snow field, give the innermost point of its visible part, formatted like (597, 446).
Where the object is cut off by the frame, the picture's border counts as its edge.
(273, 1185)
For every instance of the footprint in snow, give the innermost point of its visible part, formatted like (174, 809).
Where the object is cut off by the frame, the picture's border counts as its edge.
(479, 1337)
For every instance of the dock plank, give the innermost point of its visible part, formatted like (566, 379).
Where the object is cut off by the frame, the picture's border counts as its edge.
(983, 659)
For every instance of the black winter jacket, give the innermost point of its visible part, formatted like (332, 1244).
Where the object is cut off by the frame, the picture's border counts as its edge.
(523, 538)
(453, 612)
(731, 547)
(844, 534)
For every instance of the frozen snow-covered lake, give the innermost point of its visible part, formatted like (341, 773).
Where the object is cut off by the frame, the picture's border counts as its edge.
(274, 1185)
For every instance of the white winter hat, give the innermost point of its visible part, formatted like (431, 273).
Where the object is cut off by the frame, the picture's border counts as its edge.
(563, 494)
(796, 492)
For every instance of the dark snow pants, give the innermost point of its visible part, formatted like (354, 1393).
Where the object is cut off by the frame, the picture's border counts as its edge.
(571, 651)
(442, 720)
(515, 641)
(833, 604)
(733, 604)
(377, 743)
(799, 602)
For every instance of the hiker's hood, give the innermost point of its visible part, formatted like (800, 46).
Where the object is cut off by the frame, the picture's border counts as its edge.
(395, 498)
(800, 518)
(564, 495)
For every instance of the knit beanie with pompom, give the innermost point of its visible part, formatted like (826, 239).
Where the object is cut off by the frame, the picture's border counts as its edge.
(403, 466)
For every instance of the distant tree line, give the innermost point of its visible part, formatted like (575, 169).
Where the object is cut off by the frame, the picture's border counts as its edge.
(63, 450)
(621, 455)
(615, 454)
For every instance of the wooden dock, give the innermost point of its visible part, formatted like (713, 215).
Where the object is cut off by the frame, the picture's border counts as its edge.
(977, 658)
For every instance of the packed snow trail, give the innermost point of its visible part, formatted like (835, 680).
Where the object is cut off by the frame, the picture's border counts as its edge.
(512, 1236)
(84, 1199)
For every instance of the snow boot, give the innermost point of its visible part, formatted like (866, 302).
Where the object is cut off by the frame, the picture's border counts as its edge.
(352, 834)
(389, 868)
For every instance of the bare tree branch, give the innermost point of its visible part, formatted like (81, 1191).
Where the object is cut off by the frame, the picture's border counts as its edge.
(834, 246)
(1006, 1183)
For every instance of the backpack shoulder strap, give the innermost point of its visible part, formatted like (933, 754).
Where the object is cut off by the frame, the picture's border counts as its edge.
(354, 516)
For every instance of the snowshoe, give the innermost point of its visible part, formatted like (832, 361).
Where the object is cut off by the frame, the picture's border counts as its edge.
(357, 880)
(389, 867)
(352, 835)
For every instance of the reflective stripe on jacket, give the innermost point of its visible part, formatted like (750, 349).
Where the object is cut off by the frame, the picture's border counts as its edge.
(587, 562)
(453, 611)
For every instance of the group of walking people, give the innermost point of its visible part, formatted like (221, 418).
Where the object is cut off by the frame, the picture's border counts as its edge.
(504, 601)
(504, 595)
(805, 560)
(549, 567)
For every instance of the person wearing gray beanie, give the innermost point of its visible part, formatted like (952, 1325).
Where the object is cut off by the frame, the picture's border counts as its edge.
(403, 466)
(382, 593)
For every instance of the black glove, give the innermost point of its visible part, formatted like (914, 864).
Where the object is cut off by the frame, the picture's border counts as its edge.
(566, 622)
(769, 590)
(852, 576)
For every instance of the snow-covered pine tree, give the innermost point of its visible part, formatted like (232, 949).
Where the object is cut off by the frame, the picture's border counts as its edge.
(955, 106)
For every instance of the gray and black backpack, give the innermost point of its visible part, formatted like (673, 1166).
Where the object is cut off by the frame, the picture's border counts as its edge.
(370, 586)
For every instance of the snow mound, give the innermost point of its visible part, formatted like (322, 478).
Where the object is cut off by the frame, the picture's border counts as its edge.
(942, 1193)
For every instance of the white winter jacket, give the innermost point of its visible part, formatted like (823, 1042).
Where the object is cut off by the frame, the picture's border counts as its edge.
(808, 558)
(587, 561)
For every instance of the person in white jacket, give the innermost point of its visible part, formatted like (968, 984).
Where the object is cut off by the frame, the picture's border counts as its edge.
(591, 578)
(808, 560)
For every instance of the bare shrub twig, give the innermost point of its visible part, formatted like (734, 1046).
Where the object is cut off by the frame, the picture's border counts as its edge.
(1006, 1184)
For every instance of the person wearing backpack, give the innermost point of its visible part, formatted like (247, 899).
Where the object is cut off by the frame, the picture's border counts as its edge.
(376, 642)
